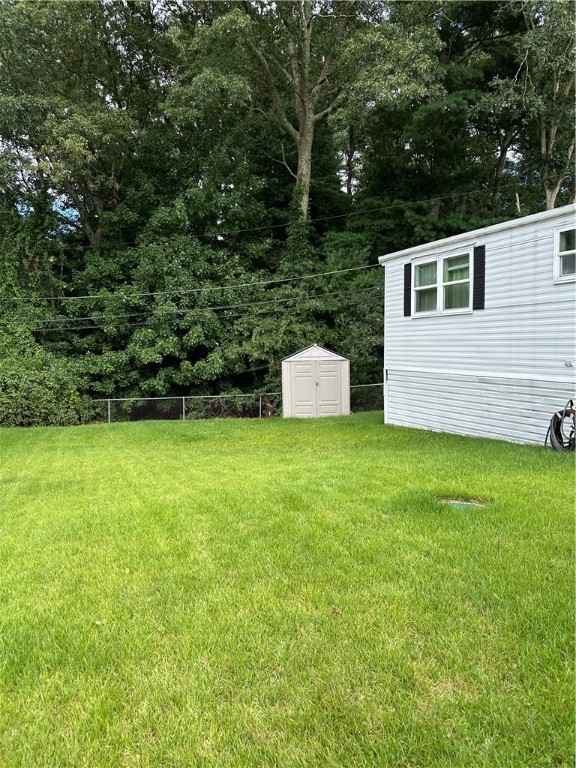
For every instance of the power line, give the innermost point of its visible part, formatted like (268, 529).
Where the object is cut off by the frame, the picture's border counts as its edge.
(195, 309)
(181, 291)
(362, 212)
(252, 284)
(389, 206)
(205, 309)
(158, 320)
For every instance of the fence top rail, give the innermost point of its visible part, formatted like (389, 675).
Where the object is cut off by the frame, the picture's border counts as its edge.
(181, 397)
(209, 397)
(124, 399)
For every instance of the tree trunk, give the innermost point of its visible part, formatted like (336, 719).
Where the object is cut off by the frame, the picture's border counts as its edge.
(304, 105)
(92, 229)
(505, 144)
(550, 199)
(435, 208)
(349, 154)
(295, 70)
(547, 142)
(304, 172)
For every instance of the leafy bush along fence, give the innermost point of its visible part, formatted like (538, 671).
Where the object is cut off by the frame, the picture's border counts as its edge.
(36, 387)
(363, 397)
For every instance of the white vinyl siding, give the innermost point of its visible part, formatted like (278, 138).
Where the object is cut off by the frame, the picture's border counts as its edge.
(501, 371)
(484, 406)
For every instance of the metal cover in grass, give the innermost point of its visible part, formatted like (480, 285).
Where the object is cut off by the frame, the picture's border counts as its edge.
(462, 503)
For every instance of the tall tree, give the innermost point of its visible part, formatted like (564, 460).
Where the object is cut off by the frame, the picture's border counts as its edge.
(79, 83)
(538, 97)
(316, 57)
(545, 84)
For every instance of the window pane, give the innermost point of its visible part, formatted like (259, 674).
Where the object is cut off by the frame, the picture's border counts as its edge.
(426, 300)
(457, 268)
(425, 274)
(457, 296)
(568, 240)
(568, 264)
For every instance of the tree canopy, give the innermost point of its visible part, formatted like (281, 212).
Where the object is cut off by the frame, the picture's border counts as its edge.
(190, 191)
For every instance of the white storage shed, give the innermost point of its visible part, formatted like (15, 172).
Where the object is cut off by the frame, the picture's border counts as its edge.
(315, 382)
(480, 329)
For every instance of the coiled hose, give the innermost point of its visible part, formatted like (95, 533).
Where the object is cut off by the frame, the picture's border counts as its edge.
(562, 436)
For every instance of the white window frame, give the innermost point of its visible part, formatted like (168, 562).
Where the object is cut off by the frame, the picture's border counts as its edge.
(440, 284)
(558, 277)
(415, 289)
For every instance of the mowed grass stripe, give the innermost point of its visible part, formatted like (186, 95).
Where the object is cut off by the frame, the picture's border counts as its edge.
(283, 593)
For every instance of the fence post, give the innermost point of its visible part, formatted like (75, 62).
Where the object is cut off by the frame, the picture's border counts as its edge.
(109, 412)
(260, 407)
(183, 408)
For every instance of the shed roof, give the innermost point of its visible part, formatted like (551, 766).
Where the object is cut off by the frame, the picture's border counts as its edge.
(477, 234)
(314, 352)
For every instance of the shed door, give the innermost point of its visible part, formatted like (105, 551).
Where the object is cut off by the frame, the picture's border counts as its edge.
(303, 387)
(328, 389)
(315, 388)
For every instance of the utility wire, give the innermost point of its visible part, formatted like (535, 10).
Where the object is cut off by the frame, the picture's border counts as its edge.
(390, 206)
(383, 207)
(163, 313)
(181, 291)
(155, 320)
(204, 309)
(244, 285)
(239, 231)
(361, 212)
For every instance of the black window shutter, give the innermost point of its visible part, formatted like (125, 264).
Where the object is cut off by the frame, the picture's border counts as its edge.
(407, 290)
(479, 285)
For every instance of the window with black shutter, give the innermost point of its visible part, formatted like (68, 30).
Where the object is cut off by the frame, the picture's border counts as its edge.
(445, 285)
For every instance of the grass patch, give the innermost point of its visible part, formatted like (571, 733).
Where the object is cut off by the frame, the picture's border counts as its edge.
(283, 593)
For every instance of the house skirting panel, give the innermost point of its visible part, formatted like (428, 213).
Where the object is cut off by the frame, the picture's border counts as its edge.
(508, 408)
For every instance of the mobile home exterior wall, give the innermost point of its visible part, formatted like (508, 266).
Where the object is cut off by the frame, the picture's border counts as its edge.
(498, 371)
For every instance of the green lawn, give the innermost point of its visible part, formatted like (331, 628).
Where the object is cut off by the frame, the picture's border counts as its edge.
(283, 593)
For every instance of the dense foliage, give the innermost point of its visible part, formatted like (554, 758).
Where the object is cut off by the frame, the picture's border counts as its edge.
(172, 173)
(35, 387)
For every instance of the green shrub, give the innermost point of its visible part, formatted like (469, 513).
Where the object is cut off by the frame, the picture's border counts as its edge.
(36, 387)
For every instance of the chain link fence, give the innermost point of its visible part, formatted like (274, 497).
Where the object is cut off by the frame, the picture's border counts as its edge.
(366, 397)
(363, 397)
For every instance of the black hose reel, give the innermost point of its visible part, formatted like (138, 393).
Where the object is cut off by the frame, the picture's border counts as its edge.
(562, 429)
